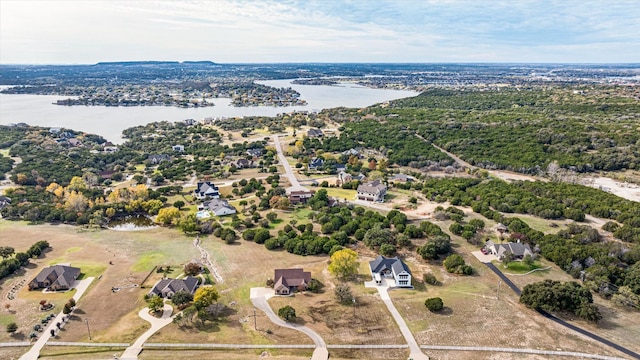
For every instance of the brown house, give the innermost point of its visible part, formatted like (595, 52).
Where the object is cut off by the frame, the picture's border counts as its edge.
(287, 281)
(54, 278)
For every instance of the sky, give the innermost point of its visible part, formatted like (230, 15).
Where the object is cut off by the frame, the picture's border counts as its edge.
(229, 31)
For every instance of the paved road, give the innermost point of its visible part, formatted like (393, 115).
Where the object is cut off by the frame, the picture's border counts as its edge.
(562, 322)
(33, 353)
(415, 352)
(287, 168)
(131, 353)
(259, 300)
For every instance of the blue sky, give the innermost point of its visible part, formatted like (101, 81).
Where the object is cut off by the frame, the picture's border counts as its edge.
(71, 32)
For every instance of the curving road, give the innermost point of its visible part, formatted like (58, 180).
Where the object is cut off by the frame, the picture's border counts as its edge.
(131, 353)
(562, 322)
(259, 300)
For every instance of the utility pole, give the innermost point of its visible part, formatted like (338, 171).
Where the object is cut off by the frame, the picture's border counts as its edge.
(255, 319)
(354, 307)
(89, 331)
(498, 291)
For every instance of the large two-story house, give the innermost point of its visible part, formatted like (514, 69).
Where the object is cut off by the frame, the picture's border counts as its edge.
(205, 190)
(390, 268)
(372, 191)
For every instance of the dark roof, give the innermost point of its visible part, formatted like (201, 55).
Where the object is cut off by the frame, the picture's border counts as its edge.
(291, 277)
(187, 284)
(204, 187)
(314, 133)
(316, 162)
(395, 264)
(60, 275)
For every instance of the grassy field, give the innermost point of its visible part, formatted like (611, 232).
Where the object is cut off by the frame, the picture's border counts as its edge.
(476, 313)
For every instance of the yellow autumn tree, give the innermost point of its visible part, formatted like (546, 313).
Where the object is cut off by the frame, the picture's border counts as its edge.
(77, 184)
(205, 296)
(167, 215)
(344, 263)
(75, 202)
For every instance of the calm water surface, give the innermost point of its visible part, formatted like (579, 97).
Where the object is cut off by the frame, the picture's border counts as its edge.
(110, 121)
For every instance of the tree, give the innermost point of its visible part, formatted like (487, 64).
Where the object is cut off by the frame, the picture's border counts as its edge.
(344, 263)
(551, 295)
(376, 236)
(455, 264)
(430, 279)
(12, 328)
(6, 251)
(192, 269)
(166, 216)
(343, 294)
(272, 216)
(287, 313)
(155, 303)
(434, 304)
(387, 249)
(205, 296)
(188, 224)
(179, 204)
(181, 298)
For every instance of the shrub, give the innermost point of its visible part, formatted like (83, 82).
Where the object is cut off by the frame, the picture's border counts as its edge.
(434, 304)
(287, 313)
(343, 294)
(430, 279)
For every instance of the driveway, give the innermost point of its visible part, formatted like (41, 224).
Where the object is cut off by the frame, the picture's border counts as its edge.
(415, 352)
(295, 185)
(482, 257)
(131, 353)
(259, 298)
(81, 286)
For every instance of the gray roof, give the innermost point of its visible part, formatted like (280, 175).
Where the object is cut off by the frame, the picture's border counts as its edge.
(165, 286)
(217, 204)
(373, 187)
(291, 278)
(394, 264)
(517, 249)
(60, 275)
(207, 188)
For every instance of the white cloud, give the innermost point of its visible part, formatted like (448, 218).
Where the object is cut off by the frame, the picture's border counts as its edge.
(290, 31)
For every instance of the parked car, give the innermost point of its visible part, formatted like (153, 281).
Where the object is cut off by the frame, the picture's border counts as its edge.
(484, 251)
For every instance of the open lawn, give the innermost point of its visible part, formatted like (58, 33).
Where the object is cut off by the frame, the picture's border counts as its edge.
(341, 194)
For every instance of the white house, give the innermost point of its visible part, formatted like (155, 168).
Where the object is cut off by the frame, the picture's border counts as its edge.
(205, 190)
(384, 267)
(373, 191)
(178, 148)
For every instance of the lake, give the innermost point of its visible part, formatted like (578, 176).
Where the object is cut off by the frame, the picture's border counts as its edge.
(110, 121)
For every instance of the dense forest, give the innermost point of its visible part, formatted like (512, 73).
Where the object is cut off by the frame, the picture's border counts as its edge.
(583, 128)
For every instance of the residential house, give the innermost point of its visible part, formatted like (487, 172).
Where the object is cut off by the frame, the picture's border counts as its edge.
(390, 268)
(518, 250)
(56, 277)
(206, 189)
(287, 281)
(402, 178)
(372, 191)
(316, 163)
(55, 130)
(178, 148)
(243, 163)
(340, 167)
(257, 152)
(4, 201)
(351, 152)
(74, 142)
(109, 147)
(190, 122)
(218, 207)
(158, 158)
(315, 133)
(343, 178)
(299, 195)
(166, 288)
